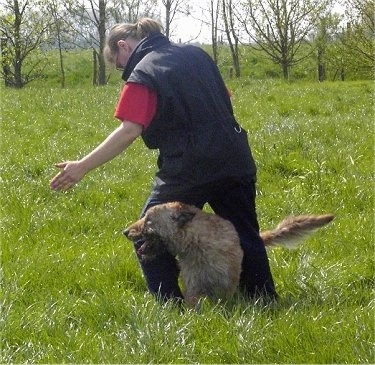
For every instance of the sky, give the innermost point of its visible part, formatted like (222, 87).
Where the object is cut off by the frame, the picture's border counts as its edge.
(191, 29)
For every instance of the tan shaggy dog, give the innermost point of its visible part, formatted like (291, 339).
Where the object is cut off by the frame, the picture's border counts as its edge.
(207, 246)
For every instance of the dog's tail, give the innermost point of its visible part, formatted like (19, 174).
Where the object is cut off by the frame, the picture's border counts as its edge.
(292, 230)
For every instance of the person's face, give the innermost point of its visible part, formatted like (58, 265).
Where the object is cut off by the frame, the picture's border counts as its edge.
(125, 49)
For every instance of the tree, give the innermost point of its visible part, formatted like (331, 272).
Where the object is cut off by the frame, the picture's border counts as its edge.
(94, 17)
(100, 21)
(95, 14)
(58, 24)
(214, 8)
(231, 33)
(172, 8)
(130, 10)
(324, 41)
(90, 23)
(281, 27)
(358, 38)
(23, 28)
(59, 31)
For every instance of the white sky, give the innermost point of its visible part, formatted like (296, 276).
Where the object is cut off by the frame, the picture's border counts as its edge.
(191, 29)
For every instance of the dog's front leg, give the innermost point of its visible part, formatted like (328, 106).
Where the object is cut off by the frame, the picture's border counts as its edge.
(192, 299)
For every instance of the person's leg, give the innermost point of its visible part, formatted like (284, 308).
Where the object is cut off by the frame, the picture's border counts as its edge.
(234, 199)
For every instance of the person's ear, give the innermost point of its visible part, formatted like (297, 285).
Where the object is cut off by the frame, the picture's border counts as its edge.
(121, 43)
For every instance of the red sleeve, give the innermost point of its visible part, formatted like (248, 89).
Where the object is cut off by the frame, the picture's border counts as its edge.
(137, 104)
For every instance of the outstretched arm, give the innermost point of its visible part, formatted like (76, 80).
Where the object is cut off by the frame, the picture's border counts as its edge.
(73, 171)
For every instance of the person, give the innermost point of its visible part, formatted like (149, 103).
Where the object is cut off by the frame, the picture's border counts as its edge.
(175, 99)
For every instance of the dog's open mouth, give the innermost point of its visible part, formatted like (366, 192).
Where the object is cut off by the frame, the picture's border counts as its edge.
(141, 251)
(150, 248)
(145, 255)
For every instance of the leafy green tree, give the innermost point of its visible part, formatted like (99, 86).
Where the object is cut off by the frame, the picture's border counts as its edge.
(23, 27)
(325, 40)
(358, 37)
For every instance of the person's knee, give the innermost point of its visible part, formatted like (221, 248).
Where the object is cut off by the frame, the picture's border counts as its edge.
(161, 276)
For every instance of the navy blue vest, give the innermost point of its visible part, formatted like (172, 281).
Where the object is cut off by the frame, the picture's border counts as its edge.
(198, 138)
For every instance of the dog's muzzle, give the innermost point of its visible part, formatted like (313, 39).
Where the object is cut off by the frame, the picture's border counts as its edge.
(126, 232)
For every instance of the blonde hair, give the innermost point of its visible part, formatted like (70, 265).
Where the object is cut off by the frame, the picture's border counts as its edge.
(138, 30)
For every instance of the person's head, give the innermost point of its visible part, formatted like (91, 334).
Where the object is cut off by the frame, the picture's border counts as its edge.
(124, 37)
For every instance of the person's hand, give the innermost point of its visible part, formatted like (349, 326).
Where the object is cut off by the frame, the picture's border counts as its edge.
(71, 172)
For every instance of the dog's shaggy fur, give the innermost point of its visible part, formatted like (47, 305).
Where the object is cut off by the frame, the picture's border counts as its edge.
(207, 246)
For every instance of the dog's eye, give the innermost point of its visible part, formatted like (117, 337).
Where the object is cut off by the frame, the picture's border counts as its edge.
(148, 229)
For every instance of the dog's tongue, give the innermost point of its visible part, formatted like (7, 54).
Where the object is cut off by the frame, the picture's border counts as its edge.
(140, 251)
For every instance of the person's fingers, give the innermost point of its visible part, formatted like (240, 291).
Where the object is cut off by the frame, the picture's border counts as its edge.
(70, 173)
(62, 185)
(61, 165)
(59, 181)
(66, 185)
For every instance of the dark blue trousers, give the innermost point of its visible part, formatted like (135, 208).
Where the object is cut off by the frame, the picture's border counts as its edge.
(232, 199)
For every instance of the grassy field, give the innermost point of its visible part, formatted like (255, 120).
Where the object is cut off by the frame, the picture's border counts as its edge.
(72, 291)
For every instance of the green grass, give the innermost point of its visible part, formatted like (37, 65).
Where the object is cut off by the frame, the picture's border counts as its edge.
(72, 291)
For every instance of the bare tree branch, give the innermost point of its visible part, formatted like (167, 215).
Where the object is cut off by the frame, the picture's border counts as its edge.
(281, 27)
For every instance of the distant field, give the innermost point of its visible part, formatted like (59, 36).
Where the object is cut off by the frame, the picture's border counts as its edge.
(78, 68)
(72, 291)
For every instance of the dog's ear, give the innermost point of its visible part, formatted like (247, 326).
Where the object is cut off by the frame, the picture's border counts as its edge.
(182, 217)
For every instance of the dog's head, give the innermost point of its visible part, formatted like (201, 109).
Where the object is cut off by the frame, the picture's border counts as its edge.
(163, 222)
(147, 244)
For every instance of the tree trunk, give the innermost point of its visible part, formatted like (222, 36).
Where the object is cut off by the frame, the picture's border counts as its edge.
(62, 82)
(102, 79)
(285, 68)
(321, 72)
(214, 37)
(5, 62)
(17, 61)
(236, 60)
(18, 82)
(233, 46)
(94, 68)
